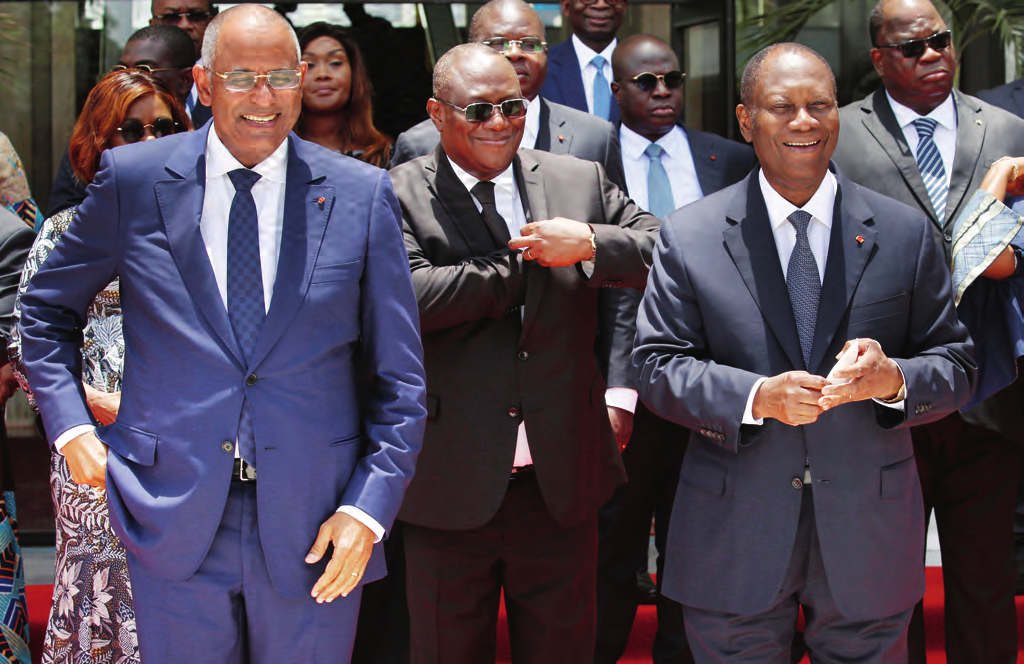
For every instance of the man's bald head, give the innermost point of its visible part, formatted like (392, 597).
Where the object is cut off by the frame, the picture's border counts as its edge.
(752, 72)
(461, 63)
(246, 15)
(639, 47)
(502, 10)
(517, 25)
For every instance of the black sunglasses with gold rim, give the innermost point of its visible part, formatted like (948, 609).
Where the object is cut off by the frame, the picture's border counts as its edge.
(647, 81)
(481, 111)
(133, 130)
(915, 48)
(193, 16)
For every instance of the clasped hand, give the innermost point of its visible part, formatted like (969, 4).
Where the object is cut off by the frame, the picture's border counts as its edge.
(797, 397)
(556, 242)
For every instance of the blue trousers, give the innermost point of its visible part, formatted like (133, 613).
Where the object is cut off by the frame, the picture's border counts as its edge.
(229, 611)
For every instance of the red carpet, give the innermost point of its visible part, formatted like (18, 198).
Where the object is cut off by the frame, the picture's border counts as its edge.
(639, 650)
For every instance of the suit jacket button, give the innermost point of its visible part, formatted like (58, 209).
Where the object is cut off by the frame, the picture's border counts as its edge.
(524, 355)
(513, 412)
(947, 237)
(227, 446)
(250, 380)
(798, 483)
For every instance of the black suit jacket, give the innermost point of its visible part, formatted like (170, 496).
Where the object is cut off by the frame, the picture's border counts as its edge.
(1009, 97)
(563, 130)
(507, 340)
(873, 152)
(720, 163)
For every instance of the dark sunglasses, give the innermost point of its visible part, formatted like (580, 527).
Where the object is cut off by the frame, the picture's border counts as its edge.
(132, 130)
(146, 68)
(915, 48)
(647, 81)
(481, 111)
(193, 16)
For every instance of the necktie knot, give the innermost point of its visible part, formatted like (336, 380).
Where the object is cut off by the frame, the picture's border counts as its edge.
(598, 62)
(800, 220)
(925, 127)
(483, 191)
(244, 179)
(654, 151)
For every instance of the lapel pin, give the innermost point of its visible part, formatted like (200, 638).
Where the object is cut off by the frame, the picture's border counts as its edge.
(320, 200)
(561, 139)
(712, 157)
(860, 240)
(977, 122)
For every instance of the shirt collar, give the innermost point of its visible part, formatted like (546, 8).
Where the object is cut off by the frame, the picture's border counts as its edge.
(585, 54)
(220, 161)
(944, 114)
(532, 126)
(821, 205)
(505, 180)
(633, 144)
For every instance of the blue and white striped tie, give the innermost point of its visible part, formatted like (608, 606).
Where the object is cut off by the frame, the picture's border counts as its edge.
(929, 162)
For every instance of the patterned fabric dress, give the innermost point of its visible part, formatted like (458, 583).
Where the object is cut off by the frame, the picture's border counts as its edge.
(92, 620)
(14, 191)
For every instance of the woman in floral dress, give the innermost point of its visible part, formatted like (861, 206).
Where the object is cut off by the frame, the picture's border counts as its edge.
(92, 619)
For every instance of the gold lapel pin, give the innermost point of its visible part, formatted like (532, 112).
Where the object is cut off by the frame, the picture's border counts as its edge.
(561, 139)
(320, 200)
(860, 240)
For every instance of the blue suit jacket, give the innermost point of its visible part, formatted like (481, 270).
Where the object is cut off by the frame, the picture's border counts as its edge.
(343, 309)
(715, 317)
(564, 83)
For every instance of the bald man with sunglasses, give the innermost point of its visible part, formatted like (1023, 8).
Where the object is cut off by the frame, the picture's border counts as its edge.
(920, 141)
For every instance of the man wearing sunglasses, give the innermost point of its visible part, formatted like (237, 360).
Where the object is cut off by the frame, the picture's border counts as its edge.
(667, 166)
(508, 250)
(581, 67)
(252, 471)
(192, 16)
(920, 141)
(515, 29)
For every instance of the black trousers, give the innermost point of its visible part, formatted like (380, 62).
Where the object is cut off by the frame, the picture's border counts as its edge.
(969, 480)
(455, 580)
(652, 459)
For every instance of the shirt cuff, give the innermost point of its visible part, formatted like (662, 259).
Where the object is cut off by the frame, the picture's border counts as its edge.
(901, 404)
(621, 397)
(588, 267)
(365, 519)
(71, 434)
(748, 412)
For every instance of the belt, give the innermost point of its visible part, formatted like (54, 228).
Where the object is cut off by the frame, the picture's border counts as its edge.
(521, 473)
(243, 472)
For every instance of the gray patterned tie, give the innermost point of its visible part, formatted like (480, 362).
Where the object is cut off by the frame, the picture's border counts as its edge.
(929, 162)
(602, 90)
(659, 189)
(804, 284)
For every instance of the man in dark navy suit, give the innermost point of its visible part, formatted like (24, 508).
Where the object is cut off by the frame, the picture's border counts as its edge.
(1009, 97)
(580, 68)
(667, 166)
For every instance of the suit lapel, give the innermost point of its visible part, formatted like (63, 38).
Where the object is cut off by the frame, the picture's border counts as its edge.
(530, 182)
(447, 190)
(970, 135)
(881, 123)
(709, 171)
(847, 258)
(751, 244)
(553, 136)
(302, 233)
(570, 79)
(180, 200)
(1018, 97)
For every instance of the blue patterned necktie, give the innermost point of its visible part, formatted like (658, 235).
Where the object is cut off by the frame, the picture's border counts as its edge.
(659, 189)
(602, 91)
(929, 162)
(804, 284)
(246, 307)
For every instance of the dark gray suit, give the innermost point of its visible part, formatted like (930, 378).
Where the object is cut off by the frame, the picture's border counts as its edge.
(715, 317)
(968, 463)
(1009, 97)
(563, 130)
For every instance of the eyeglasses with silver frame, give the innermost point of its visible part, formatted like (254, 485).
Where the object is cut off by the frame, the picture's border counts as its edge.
(243, 81)
(526, 45)
(481, 111)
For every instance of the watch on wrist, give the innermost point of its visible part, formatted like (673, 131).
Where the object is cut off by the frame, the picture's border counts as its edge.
(900, 396)
(593, 243)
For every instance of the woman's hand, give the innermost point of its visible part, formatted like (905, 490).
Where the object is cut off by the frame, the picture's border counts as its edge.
(1003, 178)
(104, 405)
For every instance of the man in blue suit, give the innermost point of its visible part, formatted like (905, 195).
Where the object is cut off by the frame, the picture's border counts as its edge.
(273, 399)
(755, 292)
(580, 68)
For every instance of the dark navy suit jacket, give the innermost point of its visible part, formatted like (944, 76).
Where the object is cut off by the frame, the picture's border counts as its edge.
(1009, 97)
(715, 317)
(564, 84)
(343, 307)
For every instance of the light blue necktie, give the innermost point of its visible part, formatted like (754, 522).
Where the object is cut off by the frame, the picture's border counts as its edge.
(602, 91)
(804, 285)
(929, 162)
(659, 189)
(246, 307)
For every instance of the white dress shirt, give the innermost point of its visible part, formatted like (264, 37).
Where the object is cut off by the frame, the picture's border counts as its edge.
(820, 207)
(676, 158)
(945, 130)
(532, 127)
(589, 72)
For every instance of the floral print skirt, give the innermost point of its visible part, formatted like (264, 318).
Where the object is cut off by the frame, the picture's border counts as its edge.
(92, 620)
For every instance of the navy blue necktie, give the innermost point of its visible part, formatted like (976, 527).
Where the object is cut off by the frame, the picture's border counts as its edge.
(602, 90)
(246, 307)
(804, 284)
(929, 162)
